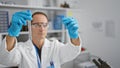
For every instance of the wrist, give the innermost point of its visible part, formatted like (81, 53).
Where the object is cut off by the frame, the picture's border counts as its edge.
(76, 41)
(73, 35)
(10, 41)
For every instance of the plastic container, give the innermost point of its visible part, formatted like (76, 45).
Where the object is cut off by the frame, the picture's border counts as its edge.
(57, 24)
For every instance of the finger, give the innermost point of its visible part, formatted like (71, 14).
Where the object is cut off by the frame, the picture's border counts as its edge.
(16, 26)
(66, 20)
(23, 21)
(27, 12)
(69, 25)
(96, 63)
(25, 15)
(72, 24)
(73, 28)
(16, 20)
(73, 31)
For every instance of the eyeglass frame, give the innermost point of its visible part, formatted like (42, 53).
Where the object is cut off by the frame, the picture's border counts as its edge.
(39, 25)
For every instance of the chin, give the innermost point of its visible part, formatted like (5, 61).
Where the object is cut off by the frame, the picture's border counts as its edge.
(42, 37)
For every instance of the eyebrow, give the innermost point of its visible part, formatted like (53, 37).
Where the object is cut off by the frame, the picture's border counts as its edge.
(39, 23)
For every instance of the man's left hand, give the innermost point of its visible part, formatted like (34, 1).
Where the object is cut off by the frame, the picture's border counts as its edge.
(72, 26)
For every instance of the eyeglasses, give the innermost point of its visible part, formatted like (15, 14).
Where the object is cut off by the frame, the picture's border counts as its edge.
(37, 25)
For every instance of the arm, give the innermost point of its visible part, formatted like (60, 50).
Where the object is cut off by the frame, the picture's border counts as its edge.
(9, 58)
(76, 42)
(10, 41)
(70, 50)
(18, 20)
(9, 52)
(72, 26)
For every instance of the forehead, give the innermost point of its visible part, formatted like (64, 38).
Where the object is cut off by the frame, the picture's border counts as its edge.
(39, 18)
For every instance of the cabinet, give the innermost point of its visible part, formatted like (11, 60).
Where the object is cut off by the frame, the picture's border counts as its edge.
(52, 12)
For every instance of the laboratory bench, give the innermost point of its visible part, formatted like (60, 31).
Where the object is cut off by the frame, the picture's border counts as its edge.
(83, 60)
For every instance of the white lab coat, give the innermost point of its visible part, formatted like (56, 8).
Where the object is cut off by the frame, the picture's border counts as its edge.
(23, 55)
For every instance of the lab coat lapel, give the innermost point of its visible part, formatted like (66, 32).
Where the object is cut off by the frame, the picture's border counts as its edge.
(45, 52)
(32, 52)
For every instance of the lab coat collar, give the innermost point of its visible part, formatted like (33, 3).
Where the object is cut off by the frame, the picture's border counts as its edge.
(46, 43)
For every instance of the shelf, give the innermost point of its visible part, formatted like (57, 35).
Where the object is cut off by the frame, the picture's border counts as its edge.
(55, 10)
(5, 33)
(30, 7)
(26, 32)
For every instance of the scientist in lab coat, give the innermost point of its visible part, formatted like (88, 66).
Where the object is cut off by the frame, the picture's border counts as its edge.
(38, 52)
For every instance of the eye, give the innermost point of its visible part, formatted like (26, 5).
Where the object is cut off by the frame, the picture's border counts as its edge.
(35, 25)
(45, 24)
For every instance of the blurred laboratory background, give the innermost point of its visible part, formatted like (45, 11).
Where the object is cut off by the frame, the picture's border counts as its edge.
(99, 24)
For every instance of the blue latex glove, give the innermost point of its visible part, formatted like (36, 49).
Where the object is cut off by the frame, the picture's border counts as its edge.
(18, 20)
(72, 26)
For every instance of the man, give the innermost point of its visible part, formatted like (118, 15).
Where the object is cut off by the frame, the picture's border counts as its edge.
(38, 52)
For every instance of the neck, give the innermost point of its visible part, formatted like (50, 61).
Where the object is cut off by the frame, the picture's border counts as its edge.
(38, 43)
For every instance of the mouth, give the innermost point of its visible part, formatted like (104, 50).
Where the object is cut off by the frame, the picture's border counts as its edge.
(41, 33)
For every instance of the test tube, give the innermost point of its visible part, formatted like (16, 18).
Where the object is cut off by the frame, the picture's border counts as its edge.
(29, 29)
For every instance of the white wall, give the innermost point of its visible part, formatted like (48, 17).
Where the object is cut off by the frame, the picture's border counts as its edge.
(98, 41)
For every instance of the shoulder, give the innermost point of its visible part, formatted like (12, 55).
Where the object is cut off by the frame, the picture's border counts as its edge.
(50, 43)
(54, 40)
(26, 44)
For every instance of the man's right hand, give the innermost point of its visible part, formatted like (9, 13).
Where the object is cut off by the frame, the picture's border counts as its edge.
(18, 20)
